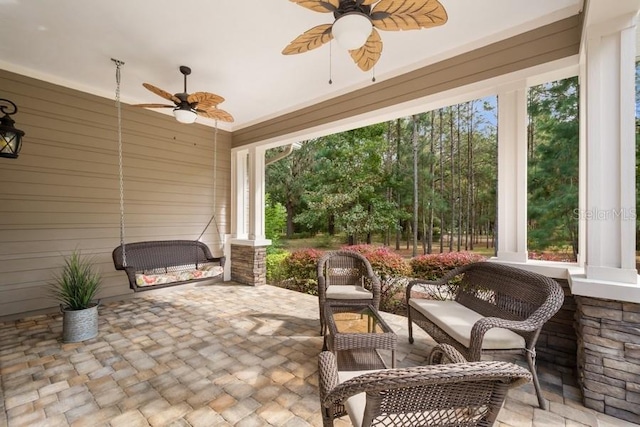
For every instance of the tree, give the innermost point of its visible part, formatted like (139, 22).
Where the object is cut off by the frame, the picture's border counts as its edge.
(288, 179)
(275, 220)
(414, 145)
(413, 175)
(553, 166)
(349, 185)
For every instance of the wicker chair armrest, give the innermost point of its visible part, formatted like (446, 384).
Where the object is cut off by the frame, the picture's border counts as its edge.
(442, 281)
(328, 374)
(433, 289)
(376, 287)
(322, 280)
(387, 379)
(482, 326)
(131, 273)
(322, 287)
(418, 282)
(445, 353)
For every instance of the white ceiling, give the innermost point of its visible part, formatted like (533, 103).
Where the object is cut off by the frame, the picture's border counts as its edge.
(233, 47)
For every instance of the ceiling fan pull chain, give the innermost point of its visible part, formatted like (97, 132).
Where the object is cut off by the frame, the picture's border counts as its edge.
(120, 173)
(330, 80)
(373, 74)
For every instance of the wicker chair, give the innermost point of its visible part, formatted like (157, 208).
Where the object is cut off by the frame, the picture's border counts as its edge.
(509, 306)
(456, 394)
(346, 277)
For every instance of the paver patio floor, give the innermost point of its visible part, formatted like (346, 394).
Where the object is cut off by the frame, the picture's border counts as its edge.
(209, 354)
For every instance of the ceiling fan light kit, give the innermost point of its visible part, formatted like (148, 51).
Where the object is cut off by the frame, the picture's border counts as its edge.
(356, 24)
(352, 30)
(185, 115)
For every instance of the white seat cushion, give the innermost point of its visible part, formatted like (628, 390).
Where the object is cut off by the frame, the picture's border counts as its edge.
(457, 320)
(348, 292)
(355, 404)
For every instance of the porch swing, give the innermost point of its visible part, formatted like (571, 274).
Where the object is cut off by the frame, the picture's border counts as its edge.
(163, 263)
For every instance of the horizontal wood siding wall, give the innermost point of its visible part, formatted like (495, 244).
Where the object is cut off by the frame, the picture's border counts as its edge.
(62, 193)
(545, 44)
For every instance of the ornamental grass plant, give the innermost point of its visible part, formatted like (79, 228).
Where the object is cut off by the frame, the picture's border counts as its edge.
(77, 285)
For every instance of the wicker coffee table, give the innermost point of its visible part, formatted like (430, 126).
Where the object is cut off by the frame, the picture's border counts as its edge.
(355, 335)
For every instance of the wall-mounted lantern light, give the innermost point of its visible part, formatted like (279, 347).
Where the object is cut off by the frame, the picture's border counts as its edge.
(10, 137)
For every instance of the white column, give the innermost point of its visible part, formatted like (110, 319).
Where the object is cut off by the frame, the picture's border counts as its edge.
(256, 193)
(610, 151)
(512, 173)
(239, 190)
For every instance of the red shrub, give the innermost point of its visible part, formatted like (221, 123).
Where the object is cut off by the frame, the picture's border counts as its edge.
(301, 264)
(384, 262)
(555, 256)
(434, 266)
(392, 270)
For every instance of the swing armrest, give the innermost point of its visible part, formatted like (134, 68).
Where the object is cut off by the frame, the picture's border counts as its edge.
(220, 259)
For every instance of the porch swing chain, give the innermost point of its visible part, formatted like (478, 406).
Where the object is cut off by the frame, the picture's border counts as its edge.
(120, 173)
(215, 169)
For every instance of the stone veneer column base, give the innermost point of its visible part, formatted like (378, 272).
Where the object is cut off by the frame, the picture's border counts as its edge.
(557, 341)
(249, 264)
(609, 356)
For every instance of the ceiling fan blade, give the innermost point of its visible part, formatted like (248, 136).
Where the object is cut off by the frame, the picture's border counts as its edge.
(309, 40)
(394, 15)
(153, 106)
(323, 6)
(367, 56)
(215, 113)
(205, 99)
(162, 93)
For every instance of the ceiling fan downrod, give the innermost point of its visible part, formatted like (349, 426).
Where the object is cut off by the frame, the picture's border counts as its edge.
(185, 71)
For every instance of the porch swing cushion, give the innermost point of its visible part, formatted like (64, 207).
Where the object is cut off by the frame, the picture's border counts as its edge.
(191, 273)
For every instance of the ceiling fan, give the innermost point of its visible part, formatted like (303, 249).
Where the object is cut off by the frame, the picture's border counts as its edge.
(187, 106)
(357, 21)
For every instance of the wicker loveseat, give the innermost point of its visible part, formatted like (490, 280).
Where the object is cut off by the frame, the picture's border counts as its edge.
(494, 309)
(455, 394)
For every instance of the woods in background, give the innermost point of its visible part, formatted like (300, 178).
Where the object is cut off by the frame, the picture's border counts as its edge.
(428, 181)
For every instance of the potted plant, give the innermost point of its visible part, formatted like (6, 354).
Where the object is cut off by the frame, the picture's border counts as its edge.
(75, 288)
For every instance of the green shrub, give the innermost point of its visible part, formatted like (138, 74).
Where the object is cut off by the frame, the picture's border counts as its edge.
(276, 271)
(275, 220)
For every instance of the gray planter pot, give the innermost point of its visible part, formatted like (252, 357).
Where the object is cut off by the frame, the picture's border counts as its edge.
(79, 325)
